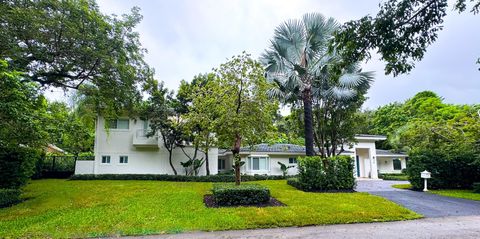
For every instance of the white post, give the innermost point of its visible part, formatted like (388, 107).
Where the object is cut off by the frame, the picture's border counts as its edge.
(425, 174)
(425, 185)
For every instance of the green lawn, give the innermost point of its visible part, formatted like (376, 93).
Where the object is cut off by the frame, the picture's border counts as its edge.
(458, 193)
(60, 208)
(402, 186)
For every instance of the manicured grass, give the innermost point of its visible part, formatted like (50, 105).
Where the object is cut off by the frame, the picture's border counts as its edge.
(458, 193)
(402, 186)
(60, 208)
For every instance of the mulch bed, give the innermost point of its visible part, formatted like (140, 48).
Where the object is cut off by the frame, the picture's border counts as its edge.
(210, 202)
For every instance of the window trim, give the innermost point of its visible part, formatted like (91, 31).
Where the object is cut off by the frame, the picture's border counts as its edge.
(109, 159)
(294, 159)
(250, 163)
(224, 164)
(393, 163)
(120, 160)
(116, 124)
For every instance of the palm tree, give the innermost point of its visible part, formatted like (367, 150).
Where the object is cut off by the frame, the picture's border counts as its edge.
(295, 56)
(301, 67)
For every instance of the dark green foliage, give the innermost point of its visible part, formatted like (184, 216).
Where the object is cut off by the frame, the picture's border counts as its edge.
(175, 178)
(476, 187)
(400, 32)
(393, 176)
(238, 195)
(454, 170)
(9, 196)
(16, 166)
(294, 182)
(325, 174)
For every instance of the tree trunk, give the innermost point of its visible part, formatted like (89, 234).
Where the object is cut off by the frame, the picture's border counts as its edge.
(207, 164)
(307, 110)
(170, 161)
(236, 159)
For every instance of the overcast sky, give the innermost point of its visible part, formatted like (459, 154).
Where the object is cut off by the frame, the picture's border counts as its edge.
(187, 37)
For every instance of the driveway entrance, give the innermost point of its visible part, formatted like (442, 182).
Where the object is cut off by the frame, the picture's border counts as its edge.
(427, 204)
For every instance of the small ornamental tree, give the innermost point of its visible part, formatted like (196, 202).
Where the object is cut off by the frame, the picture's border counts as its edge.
(244, 111)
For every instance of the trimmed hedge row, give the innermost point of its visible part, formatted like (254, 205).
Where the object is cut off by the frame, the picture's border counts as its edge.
(9, 196)
(449, 170)
(228, 194)
(175, 178)
(476, 187)
(324, 174)
(394, 176)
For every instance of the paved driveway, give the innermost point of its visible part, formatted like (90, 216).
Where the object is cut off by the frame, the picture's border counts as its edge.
(427, 204)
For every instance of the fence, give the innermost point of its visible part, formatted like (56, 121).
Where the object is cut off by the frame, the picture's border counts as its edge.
(61, 166)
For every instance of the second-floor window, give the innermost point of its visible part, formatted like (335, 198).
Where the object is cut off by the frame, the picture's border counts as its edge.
(119, 124)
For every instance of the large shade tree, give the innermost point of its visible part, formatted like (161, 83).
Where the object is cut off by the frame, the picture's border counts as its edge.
(72, 45)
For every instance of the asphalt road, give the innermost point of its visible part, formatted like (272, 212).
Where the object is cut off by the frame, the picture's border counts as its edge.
(447, 227)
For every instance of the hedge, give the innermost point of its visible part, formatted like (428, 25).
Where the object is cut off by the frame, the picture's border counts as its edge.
(176, 178)
(9, 196)
(476, 187)
(394, 176)
(229, 194)
(17, 165)
(325, 174)
(448, 170)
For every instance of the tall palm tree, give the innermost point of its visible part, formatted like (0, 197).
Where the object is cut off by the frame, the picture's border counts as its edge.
(299, 64)
(294, 58)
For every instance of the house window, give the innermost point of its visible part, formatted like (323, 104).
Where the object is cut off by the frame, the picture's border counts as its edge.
(221, 164)
(106, 159)
(123, 159)
(397, 165)
(292, 160)
(258, 163)
(119, 124)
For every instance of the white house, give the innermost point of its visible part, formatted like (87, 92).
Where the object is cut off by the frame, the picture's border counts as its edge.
(264, 158)
(125, 149)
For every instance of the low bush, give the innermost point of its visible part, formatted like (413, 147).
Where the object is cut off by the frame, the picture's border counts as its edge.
(175, 178)
(228, 194)
(9, 196)
(476, 187)
(448, 170)
(394, 176)
(294, 182)
(325, 174)
(17, 165)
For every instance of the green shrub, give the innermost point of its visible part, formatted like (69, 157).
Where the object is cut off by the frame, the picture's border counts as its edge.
(17, 165)
(228, 194)
(9, 196)
(476, 187)
(294, 182)
(448, 170)
(175, 178)
(327, 174)
(394, 176)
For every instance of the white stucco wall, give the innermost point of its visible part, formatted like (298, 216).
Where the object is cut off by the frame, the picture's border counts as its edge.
(385, 164)
(141, 160)
(84, 167)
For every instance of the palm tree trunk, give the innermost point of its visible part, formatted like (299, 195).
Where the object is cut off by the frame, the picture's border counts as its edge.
(307, 111)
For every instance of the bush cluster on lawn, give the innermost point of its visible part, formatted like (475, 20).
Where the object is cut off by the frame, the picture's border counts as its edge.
(229, 194)
(17, 165)
(175, 178)
(9, 196)
(393, 176)
(324, 174)
(449, 170)
(476, 187)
